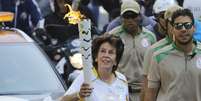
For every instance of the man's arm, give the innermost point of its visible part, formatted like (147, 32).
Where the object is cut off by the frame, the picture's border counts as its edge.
(144, 88)
(146, 66)
(151, 94)
(152, 80)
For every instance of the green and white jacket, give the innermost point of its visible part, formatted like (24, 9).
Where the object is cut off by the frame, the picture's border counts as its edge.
(149, 53)
(177, 75)
(133, 56)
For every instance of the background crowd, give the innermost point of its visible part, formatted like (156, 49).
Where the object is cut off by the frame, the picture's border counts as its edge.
(150, 49)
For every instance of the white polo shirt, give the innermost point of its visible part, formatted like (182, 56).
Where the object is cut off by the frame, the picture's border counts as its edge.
(117, 91)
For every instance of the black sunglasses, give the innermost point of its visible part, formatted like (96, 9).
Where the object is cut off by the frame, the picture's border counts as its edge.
(129, 14)
(186, 25)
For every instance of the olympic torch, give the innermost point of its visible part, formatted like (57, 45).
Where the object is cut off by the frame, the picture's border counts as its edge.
(86, 40)
(75, 17)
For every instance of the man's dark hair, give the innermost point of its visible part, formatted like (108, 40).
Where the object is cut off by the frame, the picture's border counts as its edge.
(182, 12)
(113, 40)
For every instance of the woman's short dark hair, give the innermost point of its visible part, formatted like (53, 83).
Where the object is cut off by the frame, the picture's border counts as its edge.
(182, 12)
(115, 41)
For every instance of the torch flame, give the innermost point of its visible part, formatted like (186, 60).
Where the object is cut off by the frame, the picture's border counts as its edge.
(73, 16)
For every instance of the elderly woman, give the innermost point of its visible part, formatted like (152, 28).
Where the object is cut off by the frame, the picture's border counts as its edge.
(107, 84)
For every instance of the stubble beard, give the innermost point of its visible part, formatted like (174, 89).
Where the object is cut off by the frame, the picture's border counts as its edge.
(186, 42)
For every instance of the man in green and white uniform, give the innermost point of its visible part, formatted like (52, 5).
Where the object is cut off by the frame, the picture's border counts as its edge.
(176, 69)
(158, 45)
(136, 40)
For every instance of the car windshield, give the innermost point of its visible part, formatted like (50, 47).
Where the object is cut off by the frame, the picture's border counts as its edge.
(24, 68)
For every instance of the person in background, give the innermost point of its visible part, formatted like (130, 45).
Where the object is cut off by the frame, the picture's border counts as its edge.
(44, 6)
(27, 14)
(158, 45)
(106, 83)
(148, 7)
(109, 5)
(60, 32)
(159, 8)
(146, 10)
(175, 69)
(180, 2)
(56, 25)
(197, 33)
(136, 40)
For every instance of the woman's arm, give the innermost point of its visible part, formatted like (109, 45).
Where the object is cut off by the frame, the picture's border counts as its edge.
(72, 97)
(85, 91)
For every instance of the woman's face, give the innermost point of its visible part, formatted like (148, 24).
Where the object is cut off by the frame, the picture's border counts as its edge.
(106, 57)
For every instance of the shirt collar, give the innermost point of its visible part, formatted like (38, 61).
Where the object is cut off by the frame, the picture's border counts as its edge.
(180, 50)
(168, 39)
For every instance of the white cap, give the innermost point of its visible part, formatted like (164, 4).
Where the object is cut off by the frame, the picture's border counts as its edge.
(162, 5)
(170, 10)
(130, 5)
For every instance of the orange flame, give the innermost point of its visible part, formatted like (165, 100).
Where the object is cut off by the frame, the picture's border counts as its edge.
(73, 16)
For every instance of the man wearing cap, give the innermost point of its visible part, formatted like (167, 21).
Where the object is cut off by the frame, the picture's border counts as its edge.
(175, 70)
(160, 44)
(159, 8)
(136, 39)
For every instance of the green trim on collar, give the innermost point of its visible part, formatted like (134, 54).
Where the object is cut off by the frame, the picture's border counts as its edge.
(159, 57)
(168, 39)
(177, 48)
(119, 31)
(166, 42)
(149, 36)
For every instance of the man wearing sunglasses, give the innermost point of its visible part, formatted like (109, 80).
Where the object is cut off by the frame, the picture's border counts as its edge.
(160, 44)
(176, 69)
(136, 39)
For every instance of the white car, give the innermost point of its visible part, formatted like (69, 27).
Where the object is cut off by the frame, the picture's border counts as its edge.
(26, 74)
(8, 98)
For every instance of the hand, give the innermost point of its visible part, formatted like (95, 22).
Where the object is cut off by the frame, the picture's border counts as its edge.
(85, 90)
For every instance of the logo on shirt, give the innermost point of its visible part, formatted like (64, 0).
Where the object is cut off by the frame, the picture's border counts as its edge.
(145, 42)
(198, 63)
